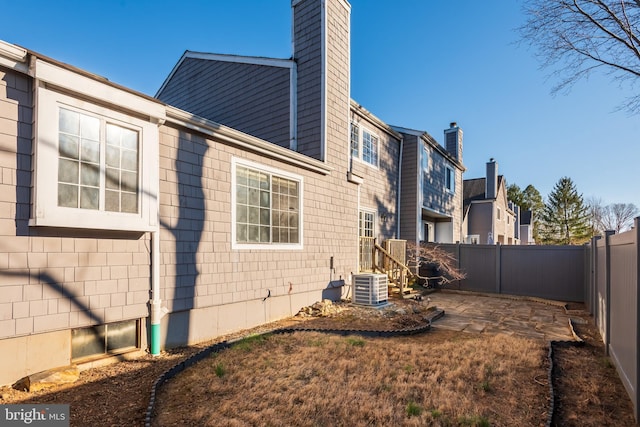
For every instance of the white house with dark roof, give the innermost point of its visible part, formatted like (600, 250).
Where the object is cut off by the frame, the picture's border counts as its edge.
(489, 217)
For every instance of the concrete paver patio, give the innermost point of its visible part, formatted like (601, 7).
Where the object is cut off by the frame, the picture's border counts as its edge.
(479, 313)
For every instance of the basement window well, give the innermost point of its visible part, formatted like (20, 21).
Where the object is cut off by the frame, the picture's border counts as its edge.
(104, 340)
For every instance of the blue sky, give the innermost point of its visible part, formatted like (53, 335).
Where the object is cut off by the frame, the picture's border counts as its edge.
(415, 63)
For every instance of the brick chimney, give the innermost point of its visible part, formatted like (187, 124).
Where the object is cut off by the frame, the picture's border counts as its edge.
(321, 50)
(453, 141)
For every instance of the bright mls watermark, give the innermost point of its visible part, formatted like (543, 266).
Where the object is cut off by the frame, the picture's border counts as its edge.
(34, 415)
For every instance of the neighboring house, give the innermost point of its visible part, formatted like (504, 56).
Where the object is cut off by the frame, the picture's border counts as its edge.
(526, 228)
(132, 223)
(375, 153)
(431, 202)
(488, 216)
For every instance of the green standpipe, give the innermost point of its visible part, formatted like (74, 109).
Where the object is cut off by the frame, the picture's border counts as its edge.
(155, 339)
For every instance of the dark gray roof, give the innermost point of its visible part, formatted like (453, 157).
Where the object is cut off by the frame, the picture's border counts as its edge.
(474, 189)
(525, 217)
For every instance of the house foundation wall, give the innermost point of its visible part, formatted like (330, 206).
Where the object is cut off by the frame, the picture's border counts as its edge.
(19, 357)
(203, 324)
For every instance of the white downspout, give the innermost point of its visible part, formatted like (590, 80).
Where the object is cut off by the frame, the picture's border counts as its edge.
(399, 189)
(156, 309)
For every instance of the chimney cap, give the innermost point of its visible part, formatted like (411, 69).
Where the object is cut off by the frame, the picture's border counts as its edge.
(453, 124)
(491, 160)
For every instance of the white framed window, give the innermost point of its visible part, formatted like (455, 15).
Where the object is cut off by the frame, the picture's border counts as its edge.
(499, 213)
(365, 145)
(355, 141)
(266, 207)
(95, 167)
(449, 179)
(367, 222)
(424, 159)
(369, 148)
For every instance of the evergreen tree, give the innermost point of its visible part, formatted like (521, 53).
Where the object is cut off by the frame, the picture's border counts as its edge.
(515, 194)
(534, 203)
(565, 217)
(533, 199)
(528, 199)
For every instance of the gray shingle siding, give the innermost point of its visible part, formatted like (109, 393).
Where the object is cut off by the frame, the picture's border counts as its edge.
(307, 34)
(408, 201)
(252, 98)
(434, 194)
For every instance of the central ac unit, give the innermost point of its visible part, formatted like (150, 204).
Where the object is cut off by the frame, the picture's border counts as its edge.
(370, 289)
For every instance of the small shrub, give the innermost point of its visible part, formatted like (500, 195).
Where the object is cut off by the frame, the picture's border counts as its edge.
(316, 342)
(474, 421)
(383, 387)
(356, 342)
(413, 409)
(248, 343)
(408, 369)
(435, 413)
(220, 370)
(606, 362)
(486, 387)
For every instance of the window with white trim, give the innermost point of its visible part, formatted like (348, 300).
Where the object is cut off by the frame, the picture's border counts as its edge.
(355, 140)
(364, 145)
(369, 148)
(449, 179)
(95, 167)
(97, 163)
(267, 207)
(366, 223)
(424, 159)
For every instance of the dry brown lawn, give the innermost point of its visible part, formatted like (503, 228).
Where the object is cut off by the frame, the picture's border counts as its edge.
(316, 379)
(307, 379)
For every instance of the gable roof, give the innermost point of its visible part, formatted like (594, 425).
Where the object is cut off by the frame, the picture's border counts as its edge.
(475, 189)
(426, 137)
(239, 59)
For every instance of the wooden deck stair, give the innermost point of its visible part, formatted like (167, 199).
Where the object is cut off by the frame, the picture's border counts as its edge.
(390, 261)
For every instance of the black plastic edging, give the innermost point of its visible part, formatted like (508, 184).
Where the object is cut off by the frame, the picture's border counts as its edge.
(551, 374)
(172, 372)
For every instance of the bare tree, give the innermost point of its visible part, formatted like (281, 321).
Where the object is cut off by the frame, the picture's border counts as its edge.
(617, 216)
(576, 37)
(442, 265)
(597, 211)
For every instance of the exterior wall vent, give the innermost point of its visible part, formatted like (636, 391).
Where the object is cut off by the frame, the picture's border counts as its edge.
(370, 289)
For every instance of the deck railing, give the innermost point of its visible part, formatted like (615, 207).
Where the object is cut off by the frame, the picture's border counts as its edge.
(374, 257)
